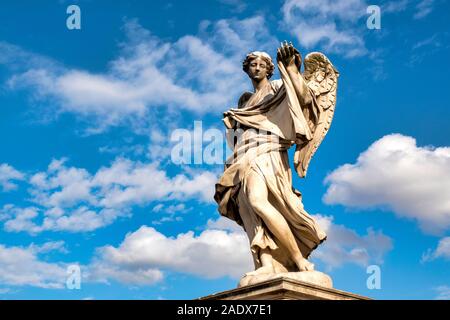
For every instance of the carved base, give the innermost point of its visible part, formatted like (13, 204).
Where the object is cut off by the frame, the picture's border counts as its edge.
(282, 288)
(314, 277)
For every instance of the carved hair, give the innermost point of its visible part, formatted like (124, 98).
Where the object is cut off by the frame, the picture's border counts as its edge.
(259, 54)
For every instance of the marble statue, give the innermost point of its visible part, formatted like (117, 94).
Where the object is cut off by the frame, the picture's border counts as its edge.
(256, 189)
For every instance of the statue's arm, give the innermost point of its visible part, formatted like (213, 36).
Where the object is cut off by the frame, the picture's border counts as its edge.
(300, 86)
(292, 60)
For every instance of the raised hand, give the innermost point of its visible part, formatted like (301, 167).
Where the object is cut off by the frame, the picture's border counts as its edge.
(289, 55)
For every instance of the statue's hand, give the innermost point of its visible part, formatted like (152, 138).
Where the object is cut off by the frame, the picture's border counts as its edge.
(289, 56)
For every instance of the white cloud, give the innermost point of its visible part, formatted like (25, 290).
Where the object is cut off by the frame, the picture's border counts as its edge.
(61, 186)
(59, 246)
(104, 272)
(158, 207)
(213, 253)
(336, 26)
(171, 213)
(144, 256)
(128, 182)
(22, 267)
(7, 175)
(194, 73)
(20, 219)
(344, 245)
(177, 208)
(222, 249)
(394, 173)
(71, 199)
(442, 251)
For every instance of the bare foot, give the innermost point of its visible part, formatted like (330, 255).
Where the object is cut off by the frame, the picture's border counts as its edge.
(305, 265)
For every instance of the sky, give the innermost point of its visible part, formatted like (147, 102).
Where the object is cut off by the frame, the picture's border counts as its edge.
(90, 191)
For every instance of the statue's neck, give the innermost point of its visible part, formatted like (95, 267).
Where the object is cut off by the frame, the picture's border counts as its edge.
(260, 84)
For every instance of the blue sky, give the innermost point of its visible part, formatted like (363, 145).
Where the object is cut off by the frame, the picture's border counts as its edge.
(86, 116)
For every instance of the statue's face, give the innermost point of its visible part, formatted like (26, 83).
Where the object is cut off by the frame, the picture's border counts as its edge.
(257, 69)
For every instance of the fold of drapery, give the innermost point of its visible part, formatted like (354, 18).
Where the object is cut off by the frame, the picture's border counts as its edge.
(273, 124)
(270, 115)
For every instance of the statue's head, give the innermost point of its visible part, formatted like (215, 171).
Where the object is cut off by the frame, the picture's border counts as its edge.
(258, 65)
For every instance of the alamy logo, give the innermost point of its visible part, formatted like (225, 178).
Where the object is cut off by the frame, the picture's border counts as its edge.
(73, 281)
(73, 22)
(374, 280)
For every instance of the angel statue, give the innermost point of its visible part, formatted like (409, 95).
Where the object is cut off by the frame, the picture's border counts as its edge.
(256, 189)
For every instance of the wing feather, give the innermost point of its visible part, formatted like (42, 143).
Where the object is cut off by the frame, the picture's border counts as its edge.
(321, 77)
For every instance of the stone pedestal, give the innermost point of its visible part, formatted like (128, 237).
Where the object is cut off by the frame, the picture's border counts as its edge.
(283, 288)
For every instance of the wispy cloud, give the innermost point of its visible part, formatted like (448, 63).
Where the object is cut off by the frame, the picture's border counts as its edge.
(426, 48)
(395, 6)
(335, 26)
(424, 8)
(196, 73)
(442, 251)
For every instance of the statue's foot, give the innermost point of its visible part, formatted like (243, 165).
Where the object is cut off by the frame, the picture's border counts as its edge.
(261, 270)
(305, 265)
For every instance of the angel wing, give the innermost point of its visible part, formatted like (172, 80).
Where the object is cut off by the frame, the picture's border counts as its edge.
(321, 77)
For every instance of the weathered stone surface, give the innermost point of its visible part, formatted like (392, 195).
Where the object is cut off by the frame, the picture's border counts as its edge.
(282, 288)
(313, 277)
(255, 189)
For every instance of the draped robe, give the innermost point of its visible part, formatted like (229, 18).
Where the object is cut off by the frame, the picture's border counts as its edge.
(272, 120)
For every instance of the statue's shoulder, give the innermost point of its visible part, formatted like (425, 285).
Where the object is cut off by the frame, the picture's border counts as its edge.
(276, 84)
(244, 98)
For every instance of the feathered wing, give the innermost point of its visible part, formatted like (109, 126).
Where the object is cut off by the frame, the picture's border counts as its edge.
(321, 77)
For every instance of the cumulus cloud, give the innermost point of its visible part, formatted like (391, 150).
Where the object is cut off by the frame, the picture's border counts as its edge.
(213, 253)
(21, 266)
(394, 173)
(344, 245)
(72, 199)
(222, 249)
(197, 73)
(7, 175)
(145, 255)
